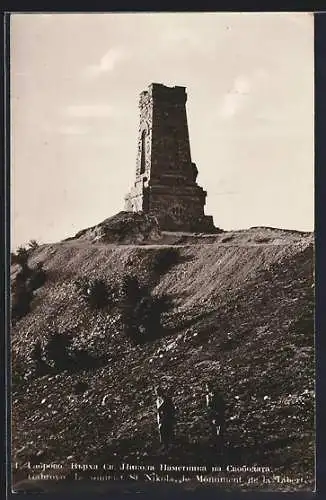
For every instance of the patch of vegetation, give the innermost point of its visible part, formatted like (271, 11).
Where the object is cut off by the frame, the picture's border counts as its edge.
(81, 359)
(80, 387)
(141, 312)
(21, 298)
(39, 365)
(227, 238)
(229, 342)
(132, 290)
(58, 354)
(26, 282)
(21, 258)
(97, 293)
(164, 259)
(38, 277)
(58, 351)
(23, 253)
(33, 245)
(304, 326)
(17, 373)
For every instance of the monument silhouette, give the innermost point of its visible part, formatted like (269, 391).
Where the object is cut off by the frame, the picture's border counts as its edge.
(165, 184)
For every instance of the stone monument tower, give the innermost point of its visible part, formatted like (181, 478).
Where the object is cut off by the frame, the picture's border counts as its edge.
(165, 175)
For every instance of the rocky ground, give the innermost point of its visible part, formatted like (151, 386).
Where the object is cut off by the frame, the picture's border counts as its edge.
(242, 316)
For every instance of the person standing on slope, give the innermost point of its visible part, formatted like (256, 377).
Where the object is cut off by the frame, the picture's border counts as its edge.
(215, 407)
(165, 417)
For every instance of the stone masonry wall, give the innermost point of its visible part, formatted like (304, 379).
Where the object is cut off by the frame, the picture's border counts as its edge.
(165, 182)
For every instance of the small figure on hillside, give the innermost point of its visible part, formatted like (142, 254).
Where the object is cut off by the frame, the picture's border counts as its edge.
(215, 406)
(165, 417)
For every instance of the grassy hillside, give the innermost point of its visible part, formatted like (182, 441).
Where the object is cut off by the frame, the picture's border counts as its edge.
(241, 315)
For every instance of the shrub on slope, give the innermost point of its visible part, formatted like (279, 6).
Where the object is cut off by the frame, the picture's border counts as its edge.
(141, 312)
(96, 293)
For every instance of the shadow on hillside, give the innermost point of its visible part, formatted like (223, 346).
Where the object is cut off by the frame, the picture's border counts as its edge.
(167, 258)
(78, 361)
(83, 360)
(178, 323)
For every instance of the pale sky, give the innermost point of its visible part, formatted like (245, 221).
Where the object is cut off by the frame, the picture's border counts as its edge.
(75, 83)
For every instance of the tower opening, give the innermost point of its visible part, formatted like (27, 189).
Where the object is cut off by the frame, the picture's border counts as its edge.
(142, 157)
